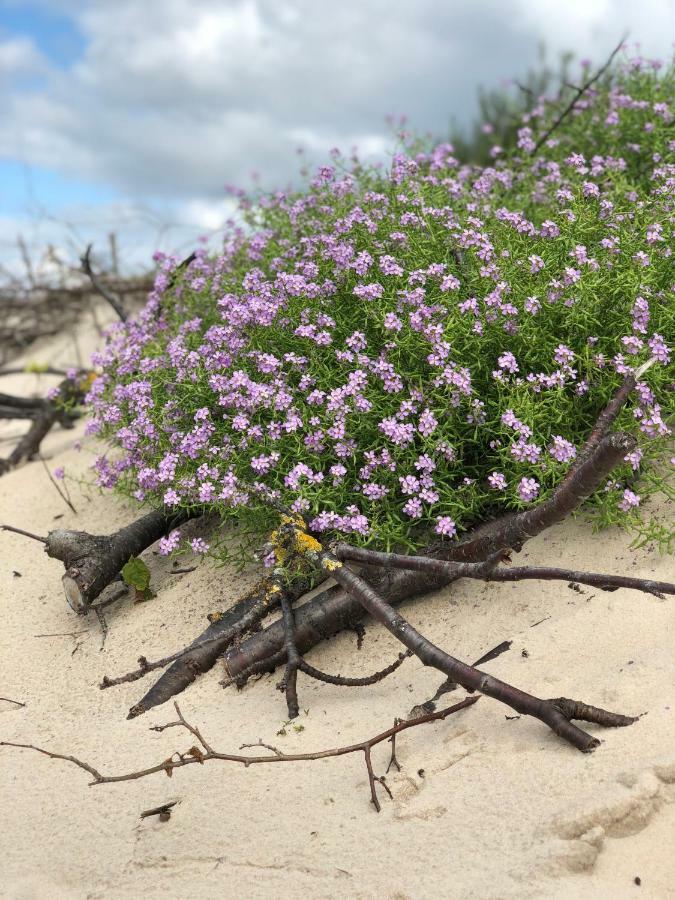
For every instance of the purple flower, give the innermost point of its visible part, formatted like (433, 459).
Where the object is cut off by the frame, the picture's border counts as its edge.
(561, 449)
(169, 543)
(450, 283)
(413, 508)
(374, 491)
(659, 348)
(207, 492)
(60, 473)
(497, 481)
(532, 305)
(199, 545)
(590, 189)
(525, 452)
(427, 423)
(629, 501)
(634, 458)
(389, 266)
(368, 291)
(445, 526)
(549, 229)
(528, 489)
(563, 355)
(399, 433)
(507, 362)
(409, 484)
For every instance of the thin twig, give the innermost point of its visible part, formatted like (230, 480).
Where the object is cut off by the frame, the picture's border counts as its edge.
(195, 755)
(28, 534)
(107, 294)
(580, 91)
(480, 571)
(61, 494)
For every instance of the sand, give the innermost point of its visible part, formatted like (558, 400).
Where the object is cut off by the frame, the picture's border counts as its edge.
(484, 807)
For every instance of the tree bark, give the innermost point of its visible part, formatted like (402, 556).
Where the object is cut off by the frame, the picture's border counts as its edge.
(93, 561)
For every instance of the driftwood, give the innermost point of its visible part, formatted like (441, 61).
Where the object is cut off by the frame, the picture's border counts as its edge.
(334, 610)
(93, 561)
(44, 414)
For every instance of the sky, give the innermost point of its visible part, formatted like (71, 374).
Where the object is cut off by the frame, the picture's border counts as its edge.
(133, 116)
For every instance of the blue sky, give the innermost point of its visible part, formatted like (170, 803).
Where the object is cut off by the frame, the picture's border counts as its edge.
(134, 114)
(55, 34)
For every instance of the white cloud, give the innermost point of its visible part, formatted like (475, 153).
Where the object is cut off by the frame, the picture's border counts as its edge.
(18, 57)
(173, 99)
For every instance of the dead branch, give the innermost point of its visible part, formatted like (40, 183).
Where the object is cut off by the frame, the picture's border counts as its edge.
(163, 811)
(200, 656)
(519, 573)
(70, 392)
(93, 561)
(101, 288)
(555, 714)
(335, 610)
(579, 92)
(205, 752)
(15, 702)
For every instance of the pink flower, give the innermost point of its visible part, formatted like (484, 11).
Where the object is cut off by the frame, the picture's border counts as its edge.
(634, 458)
(427, 423)
(169, 543)
(629, 501)
(561, 449)
(413, 508)
(445, 526)
(528, 489)
(199, 545)
(497, 481)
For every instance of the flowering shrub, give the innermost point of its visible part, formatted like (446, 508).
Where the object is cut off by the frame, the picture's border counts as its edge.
(399, 353)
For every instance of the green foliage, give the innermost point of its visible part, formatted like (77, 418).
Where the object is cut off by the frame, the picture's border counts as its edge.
(393, 354)
(136, 574)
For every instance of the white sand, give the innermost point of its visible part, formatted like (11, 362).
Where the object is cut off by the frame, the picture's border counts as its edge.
(485, 807)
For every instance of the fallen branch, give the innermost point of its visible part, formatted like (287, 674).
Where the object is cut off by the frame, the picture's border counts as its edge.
(554, 713)
(189, 662)
(47, 414)
(15, 702)
(205, 752)
(519, 573)
(93, 561)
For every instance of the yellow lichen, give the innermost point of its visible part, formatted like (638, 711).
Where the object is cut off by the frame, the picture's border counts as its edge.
(330, 565)
(305, 543)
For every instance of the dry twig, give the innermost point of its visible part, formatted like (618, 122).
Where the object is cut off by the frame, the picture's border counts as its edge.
(203, 752)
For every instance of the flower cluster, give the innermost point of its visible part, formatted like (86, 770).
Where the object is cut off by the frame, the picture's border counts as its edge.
(393, 354)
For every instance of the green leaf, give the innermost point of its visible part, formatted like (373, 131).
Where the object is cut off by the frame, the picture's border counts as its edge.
(136, 574)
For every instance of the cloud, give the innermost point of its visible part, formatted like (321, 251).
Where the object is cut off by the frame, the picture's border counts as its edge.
(19, 57)
(170, 100)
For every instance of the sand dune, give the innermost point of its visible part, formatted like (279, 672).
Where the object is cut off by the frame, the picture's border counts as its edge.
(485, 806)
